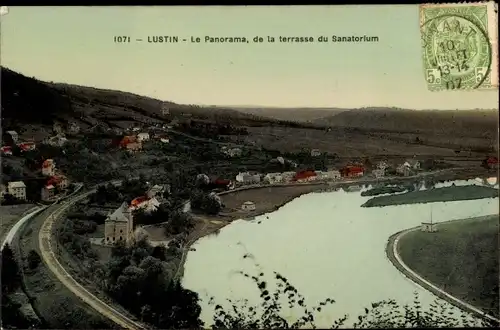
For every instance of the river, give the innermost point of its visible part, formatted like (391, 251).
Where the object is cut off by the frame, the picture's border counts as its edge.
(326, 245)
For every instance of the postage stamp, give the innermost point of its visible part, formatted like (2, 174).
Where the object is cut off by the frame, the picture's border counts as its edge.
(460, 45)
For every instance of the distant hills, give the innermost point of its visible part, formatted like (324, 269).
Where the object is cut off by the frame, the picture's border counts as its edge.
(28, 102)
(294, 114)
(406, 121)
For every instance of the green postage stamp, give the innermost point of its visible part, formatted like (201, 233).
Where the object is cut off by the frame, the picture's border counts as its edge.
(460, 45)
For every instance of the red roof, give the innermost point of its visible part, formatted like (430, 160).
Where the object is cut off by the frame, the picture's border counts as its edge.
(127, 139)
(26, 145)
(222, 181)
(56, 179)
(354, 168)
(492, 160)
(139, 200)
(304, 175)
(47, 163)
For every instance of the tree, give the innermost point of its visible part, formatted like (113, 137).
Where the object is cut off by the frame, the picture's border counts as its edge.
(212, 204)
(11, 278)
(9, 199)
(33, 259)
(383, 314)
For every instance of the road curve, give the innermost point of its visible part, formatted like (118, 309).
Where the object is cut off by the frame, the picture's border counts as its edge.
(50, 259)
(397, 261)
(13, 231)
(32, 212)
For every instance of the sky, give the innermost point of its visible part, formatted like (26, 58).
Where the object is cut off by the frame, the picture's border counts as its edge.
(76, 45)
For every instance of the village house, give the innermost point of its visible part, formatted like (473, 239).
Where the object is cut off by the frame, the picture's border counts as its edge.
(57, 141)
(413, 163)
(27, 146)
(118, 226)
(315, 152)
(224, 184)
(157, 191)
(305, 176)
(17, 189)
(492, 162)
(352, 171)
(134, 147)
(7, 150)
(287, 176)
(145, 203)
(127, 139)
(271, 178)
(48, 193)
(60, 181)
(404, 169)
(332, 174)
(14, 136)
(378, 172)
(382, 165)
(248, 206)
(231, 152)
(248, 178)
(141, 137)
(48, 167)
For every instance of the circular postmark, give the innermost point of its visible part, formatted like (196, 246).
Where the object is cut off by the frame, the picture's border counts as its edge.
(457, 52)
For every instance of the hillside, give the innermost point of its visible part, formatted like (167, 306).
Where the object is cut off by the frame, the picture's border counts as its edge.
(458, 122)
(292, 114)
(31, 104)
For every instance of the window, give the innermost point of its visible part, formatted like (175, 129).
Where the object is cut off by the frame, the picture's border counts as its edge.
(107, 239)
(121, 238)
(113, 238)
(121, 231)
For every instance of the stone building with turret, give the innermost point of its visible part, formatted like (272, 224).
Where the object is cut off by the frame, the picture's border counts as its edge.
(119, 226)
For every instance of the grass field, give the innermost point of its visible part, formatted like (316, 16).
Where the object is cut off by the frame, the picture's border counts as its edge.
(58, 306)
(445, 194)
(461, 258)
(10, 214)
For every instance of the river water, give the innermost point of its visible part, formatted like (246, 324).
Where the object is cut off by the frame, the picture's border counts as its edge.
(326, 245)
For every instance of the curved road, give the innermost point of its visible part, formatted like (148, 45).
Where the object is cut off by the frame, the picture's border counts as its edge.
(27, 216)
(50, 259)
(397, 261)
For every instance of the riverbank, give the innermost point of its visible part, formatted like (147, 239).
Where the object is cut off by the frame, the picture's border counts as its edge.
(445, 194)
(266, 199)
(270, 198)
(437, 262)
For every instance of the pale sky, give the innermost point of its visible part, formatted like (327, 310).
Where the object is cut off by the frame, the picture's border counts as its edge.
(75, 45)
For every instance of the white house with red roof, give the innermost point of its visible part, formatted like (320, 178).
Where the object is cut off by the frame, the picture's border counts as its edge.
(144, 202)
(27, 146)
(6, 150)
(49, 167)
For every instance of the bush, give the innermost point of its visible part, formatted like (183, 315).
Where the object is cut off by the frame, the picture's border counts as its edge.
(383, 314)
(33, 259)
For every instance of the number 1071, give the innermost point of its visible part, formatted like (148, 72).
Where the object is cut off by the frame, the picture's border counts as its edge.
(121, 39)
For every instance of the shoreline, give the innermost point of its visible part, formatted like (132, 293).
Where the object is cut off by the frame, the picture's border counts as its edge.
(210, 228)
(394, 257)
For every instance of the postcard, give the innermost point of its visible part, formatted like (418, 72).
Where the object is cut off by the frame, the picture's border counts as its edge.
(264, 167)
